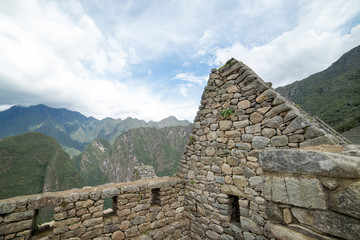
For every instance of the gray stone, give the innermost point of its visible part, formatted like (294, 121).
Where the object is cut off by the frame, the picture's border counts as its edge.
(247, 137)
(15, 227)
(279, 141)
(256, 117)
(329, 222)
(259, 142)
(43, 201)
(268, 132)
(232, 190)
(244, 104)
(346, 200)
(110, 192)
(248, 172)
(233, 161)
(310, 162)
(296, 138)
(267, 94)
(253, 129)
(301, 192)
(291, 115)
(7, 206)
(313, 132)
(277, 110)
(73, 197)
(278, 100)
(273, 212)
(241, 124)
(250, 225)
(212, 235)
(284, 233)
(326, 139)
(210, 151)
(298, 123)
(18, 216)
(274, 122)
(225, 125)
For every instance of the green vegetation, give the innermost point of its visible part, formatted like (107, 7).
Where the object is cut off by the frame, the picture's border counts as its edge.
(227, 113)
(161, 148)
(33, 162)
(333, 94)
(71, 129)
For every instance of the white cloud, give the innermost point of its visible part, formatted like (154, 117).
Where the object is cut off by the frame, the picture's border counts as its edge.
(190, 77)
(313, 45)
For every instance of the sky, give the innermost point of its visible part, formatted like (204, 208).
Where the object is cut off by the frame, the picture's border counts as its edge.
(151, 59)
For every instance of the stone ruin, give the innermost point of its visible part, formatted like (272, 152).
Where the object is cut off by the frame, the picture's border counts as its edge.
(256, 167)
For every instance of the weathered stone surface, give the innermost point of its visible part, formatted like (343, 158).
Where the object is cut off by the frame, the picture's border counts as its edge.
(273, 212)
(329, 222)
(110, 192)
(313, 132)
(253, 129)
(284, 233)
(310, 162)
(232, 190)
(210, 151)
(346, 200)
(7, 206)
(241, 124)
(268, 132)
(244, 104)
(267, 94)
(298, 123)
(279, 141)
(301, 192)
(256, 117)
(18, 216)
(232, 89)
(273, 122)
(277, 110)
(43, 201)
(250, 225)
(259, 142)
(15, 227)
(326, 139)
(225, 125)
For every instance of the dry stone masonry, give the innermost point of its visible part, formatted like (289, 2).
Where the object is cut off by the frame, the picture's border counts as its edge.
(256, 167)
(227, 195)
(143, 172)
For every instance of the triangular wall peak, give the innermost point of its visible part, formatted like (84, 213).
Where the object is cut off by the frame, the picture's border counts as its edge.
(240, 115)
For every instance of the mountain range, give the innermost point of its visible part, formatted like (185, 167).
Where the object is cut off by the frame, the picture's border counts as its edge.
(333, 95)
(103, 162)
(71, 129)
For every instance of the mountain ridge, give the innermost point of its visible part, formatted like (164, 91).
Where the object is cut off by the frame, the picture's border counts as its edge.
(71, 129)
(332, 94)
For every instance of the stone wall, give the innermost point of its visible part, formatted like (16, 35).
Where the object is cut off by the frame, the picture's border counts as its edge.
(143, 172)
(147, 209)
(239, 117)
(311, 195)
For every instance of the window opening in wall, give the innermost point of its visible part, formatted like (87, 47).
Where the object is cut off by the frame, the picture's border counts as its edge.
(110, 206)
(43, 221)
(234, 209)
(155, 196)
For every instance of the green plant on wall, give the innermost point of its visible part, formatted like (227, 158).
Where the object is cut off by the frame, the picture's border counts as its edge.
(192, 139)
(227, 113)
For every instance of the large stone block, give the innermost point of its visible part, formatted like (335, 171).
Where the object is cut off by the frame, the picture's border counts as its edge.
(15, 227)
(347, 200)
(310, 162)
(301, 192)
(298, 123)
(284, 233)
(329, 222)
(7, 206)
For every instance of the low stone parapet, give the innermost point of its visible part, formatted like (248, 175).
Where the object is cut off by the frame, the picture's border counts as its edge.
(143, 209)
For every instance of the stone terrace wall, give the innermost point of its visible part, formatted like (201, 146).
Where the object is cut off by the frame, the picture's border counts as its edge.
(147, 209)
(311, 195)
(238, 118)
(143, 172)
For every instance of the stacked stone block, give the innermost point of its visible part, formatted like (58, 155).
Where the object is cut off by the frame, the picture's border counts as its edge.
(311, 195)
(147, 209)
(239, 117)
(143, 172)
